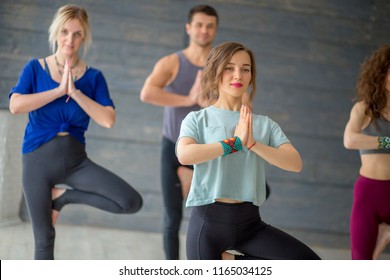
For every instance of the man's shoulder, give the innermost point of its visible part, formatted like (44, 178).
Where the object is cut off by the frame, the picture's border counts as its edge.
(170, 58)
(168, 64)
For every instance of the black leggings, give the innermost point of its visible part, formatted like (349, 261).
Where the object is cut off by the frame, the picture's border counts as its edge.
(173, 199)
(217, 227)
(63, 160)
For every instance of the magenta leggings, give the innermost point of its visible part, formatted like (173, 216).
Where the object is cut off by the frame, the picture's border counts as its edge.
(371, 206)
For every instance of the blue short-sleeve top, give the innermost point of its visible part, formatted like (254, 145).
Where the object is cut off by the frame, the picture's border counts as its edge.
(58, 116)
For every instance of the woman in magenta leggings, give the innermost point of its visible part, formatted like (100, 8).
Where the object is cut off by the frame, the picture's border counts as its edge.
(368, 130)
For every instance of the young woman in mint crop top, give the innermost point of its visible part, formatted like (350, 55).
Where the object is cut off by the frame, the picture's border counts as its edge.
(368, 130)
(228, 147)
(60, 94)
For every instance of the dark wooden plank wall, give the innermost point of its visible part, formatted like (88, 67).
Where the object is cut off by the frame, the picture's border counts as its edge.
(308, 55)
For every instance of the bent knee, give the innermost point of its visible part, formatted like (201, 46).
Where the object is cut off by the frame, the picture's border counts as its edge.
(134, 204)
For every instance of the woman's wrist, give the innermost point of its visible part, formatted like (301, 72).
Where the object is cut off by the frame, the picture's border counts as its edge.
(251, 146)
(58, 92)
(383, 142)
(231, 145)
(71, 94)
(190, 101)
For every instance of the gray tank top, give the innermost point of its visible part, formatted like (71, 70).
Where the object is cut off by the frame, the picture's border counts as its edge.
(383, 130)
(181, 85)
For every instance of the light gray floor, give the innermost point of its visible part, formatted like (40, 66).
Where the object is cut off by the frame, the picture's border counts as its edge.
(92, 243)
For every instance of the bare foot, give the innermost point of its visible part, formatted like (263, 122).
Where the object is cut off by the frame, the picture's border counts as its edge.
(56, 193)
(382, 240)
(227, 256)
(185, 177)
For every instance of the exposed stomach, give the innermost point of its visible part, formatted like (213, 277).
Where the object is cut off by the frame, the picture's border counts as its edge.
(228, 200)
(64, 133)
(376, 166)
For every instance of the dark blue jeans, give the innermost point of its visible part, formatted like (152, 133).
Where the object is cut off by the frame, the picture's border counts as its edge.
(63, 160)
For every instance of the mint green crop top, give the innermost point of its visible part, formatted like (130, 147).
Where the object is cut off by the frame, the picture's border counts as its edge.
(238, 176)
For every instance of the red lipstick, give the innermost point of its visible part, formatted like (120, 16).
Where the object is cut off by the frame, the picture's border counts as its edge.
(236, 85)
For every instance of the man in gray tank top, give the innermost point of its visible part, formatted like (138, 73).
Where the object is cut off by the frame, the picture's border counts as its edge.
(175, 84)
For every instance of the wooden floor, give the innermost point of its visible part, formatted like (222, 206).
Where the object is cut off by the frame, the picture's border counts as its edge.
(308, 55)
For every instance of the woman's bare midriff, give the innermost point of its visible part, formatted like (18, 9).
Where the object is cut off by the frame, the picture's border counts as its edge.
(228, 200)
(375, 166)
(62, 133)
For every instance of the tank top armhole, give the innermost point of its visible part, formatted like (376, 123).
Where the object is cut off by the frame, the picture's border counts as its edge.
(47, 70)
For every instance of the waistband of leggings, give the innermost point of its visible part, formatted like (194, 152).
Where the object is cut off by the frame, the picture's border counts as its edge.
(369, 181)
(228, 212)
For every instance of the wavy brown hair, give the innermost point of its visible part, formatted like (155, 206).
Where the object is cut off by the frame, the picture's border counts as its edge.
(371, 85)
(217, 60)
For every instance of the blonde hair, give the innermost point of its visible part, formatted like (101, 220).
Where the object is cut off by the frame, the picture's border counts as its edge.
(217, 60)
(64, 14)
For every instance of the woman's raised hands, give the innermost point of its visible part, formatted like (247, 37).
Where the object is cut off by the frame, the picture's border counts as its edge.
(63, 87)
(244, 126)
(71, 86)
(67, 83)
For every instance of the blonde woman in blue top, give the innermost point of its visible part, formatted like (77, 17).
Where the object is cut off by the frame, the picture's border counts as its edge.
(60, 94)
(228, 147)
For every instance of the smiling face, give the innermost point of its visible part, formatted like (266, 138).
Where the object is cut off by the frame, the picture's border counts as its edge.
(70, 37)
(236, 76)
(202, 29)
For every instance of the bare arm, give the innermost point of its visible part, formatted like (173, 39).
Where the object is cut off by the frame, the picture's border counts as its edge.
(163, 73)
(189, 152)
(353, 138)
(24, 103)
(285, 156)
(102, 115)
